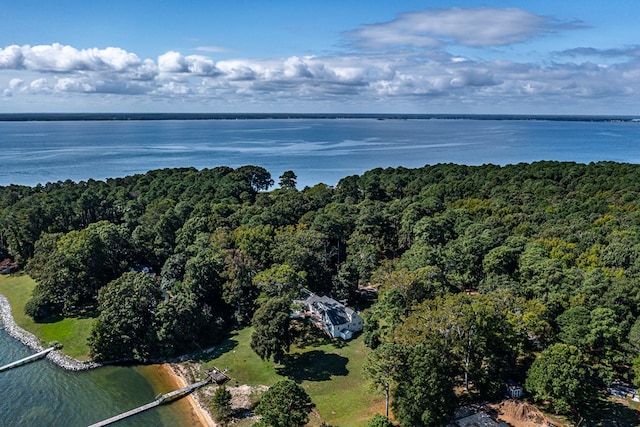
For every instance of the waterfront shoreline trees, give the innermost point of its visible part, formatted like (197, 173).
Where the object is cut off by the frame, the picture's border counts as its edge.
(528, 255)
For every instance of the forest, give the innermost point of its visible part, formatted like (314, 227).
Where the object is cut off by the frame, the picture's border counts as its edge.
(482, 274)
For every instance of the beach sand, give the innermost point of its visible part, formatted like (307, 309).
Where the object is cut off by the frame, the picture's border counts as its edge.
(167, 377)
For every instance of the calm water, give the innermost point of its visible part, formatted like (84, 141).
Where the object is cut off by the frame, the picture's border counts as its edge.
(316, 150)
(40, 394)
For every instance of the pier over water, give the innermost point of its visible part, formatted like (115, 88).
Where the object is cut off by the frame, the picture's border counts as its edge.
(214, 376)
(27, 359)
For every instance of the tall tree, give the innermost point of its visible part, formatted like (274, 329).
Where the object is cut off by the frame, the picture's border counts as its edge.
(561, 376)
(382, 367)
(288, 180)
(285, 404)
(125, 328)
(279, 281)
(424, 396)
(271, 338)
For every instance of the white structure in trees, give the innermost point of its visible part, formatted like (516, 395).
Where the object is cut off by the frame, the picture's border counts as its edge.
(334, 318)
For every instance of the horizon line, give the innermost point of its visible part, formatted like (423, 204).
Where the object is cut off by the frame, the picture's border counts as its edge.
(115, 116)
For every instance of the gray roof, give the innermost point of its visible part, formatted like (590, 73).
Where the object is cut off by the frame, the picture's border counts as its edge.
(336, 313)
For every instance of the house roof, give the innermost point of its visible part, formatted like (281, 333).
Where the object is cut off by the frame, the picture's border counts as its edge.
(337, 316)
(336, 313)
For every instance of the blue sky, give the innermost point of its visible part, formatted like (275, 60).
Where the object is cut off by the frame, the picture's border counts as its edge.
(401, 56)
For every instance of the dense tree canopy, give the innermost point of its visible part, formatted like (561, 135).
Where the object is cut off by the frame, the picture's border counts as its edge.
(124, 328)
(526, 256)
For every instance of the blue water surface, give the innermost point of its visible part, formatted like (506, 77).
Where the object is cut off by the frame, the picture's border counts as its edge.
(317, 150)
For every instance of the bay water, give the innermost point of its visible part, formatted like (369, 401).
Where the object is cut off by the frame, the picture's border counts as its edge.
(317, 150)
(41, 394)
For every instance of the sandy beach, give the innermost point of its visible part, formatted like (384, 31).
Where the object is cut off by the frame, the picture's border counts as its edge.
(179, 380)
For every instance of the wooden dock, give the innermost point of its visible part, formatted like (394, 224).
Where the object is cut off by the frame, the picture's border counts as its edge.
(159, 401)
(213, 375)
(26, 359)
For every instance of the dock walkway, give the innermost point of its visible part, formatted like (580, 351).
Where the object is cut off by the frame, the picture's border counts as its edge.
(159, 401)
(26, 359)
(213, 375)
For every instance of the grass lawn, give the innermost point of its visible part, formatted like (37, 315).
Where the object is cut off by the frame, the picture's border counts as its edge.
(330, 372)
(71, 333)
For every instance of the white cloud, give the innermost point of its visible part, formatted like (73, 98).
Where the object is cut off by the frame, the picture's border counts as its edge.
(434, 28)
(40, 85)
(212, 49)
(67, 84)
(15, 84)
(237, 70)
(409, 66)
(295, 67)
(11, 58)
(65, 59)
(174, 62)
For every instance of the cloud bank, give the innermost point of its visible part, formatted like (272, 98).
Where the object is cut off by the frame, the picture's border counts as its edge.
(408, 61)
(469, 27)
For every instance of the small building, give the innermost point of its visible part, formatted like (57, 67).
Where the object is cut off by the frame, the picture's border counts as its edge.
(514, 390)
(336, 319)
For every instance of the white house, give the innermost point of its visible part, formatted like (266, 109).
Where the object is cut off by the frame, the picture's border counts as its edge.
(334, 318)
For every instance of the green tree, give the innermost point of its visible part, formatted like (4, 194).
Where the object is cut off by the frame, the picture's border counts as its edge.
(574, 326)
(285, 404)
(238, 289)
(382, 368)
(634, 335)
(271, 337)
(561, 376)
(288, 180)
(221, 406)
(125, 328)
(70, 268)
(279, 281)
(483, 334)
(304, 250)
(424, 396)
(156, 231)
(183, 324)
(256, 177)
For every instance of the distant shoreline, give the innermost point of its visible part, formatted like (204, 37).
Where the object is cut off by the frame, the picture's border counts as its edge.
(51, 117)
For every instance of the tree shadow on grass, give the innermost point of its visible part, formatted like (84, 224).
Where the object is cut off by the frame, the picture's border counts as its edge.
(227, 344)
(314, 365)
(612, 412)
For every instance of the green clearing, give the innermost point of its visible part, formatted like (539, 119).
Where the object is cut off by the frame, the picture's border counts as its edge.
(72, 333)
(330, 372)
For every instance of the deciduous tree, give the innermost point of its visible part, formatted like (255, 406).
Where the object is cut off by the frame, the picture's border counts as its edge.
(285, 404)
(561, 376)
(271, 338)
(424, 396)
(382, 366)
(125, 327)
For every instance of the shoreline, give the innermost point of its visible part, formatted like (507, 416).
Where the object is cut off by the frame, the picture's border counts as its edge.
(30, 340)
(180, 379)
(173, 372)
